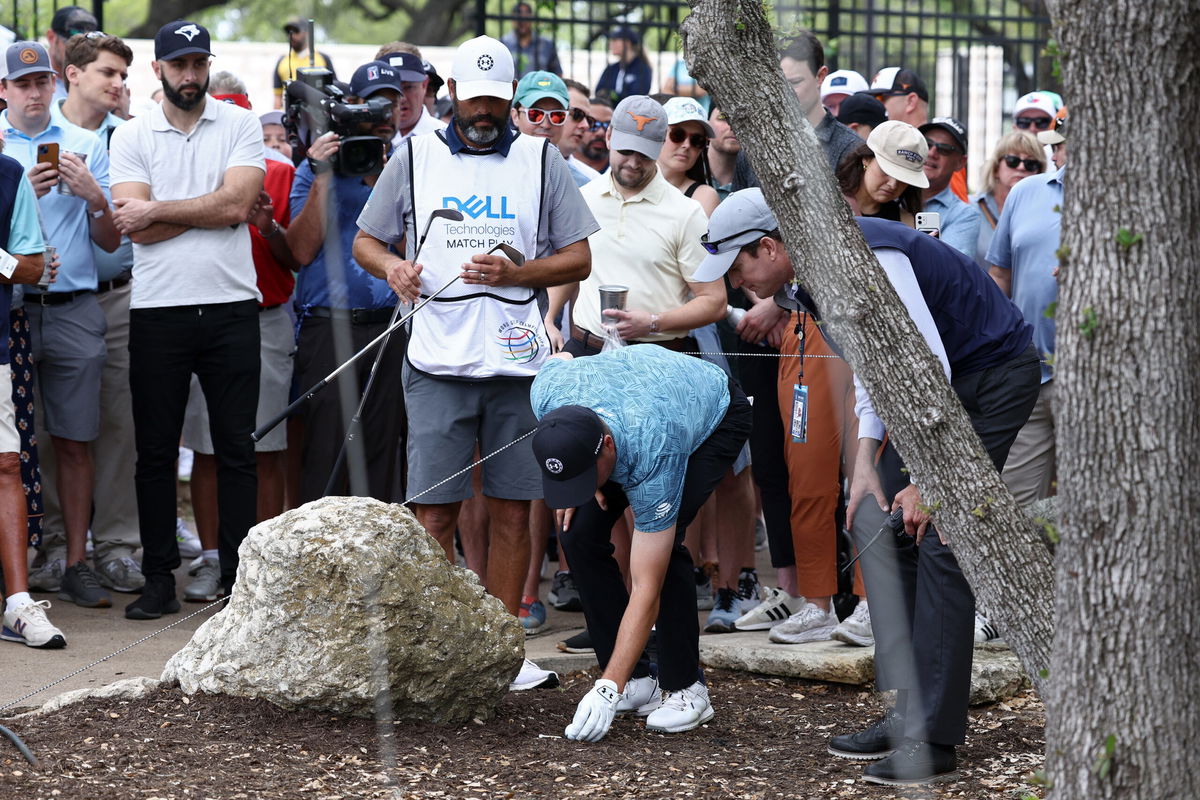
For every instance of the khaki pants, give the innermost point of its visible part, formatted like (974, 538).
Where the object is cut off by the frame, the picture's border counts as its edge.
(1030, 469)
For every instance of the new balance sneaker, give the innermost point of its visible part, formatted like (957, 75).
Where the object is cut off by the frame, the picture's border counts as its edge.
(205, 586)
(984, 630)
(532, 676)
(704, 590)
(914, 762)
(48, 577)
(532, 614)
(877, 741)
(28, 625)
(121, 575)
(856, 628)
(81, 586)
(724, 613)
(641, 696)
(809, 624)
(579, 643)
(777, 605)
(749, 590)
(158, 598)
(189, 542)
(682, 710)
(564, 594)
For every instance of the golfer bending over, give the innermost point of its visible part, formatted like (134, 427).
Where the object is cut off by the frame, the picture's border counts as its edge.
(648, 428)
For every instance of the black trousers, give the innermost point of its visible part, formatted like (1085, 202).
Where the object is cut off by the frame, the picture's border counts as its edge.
(376, 453)
(760, 378)
(922, 609)
(220, 344)
(588, 544)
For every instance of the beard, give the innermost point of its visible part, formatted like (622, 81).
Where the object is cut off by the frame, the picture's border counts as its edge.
(595, 149)
(177, 99)
(483, 137)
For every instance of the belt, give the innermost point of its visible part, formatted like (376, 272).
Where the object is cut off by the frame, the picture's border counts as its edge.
(261, 309)
(357, 316)
(115, 283)
(682, 344)
(56, 298)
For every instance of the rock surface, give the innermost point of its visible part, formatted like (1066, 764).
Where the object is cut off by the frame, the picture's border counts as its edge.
(128, 689)
(344, 602)
(996, 674)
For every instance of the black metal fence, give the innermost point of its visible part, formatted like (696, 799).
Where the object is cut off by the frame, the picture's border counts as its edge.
(936, 38)
(30, 19)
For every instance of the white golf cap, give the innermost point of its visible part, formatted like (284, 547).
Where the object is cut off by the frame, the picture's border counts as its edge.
(483, 67)
(685, 109)
(1035, 101)
(900, 150)
(743, 217)
(843, 81)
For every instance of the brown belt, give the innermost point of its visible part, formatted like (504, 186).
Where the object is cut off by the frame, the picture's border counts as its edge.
(681, 345)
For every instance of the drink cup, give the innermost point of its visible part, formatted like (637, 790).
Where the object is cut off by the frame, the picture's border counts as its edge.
(612, 296)
(62, 185)
(49, 256)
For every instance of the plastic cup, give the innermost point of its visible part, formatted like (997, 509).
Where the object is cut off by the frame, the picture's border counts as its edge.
(613, 296)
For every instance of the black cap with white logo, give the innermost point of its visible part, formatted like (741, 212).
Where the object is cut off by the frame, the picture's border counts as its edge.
(181, 38)
(567, 446)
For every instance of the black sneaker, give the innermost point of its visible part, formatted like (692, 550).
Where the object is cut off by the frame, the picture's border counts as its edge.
(579, 643)
(157, 598)
(878, 741)
(564, 594)
(914, 762)
(81, 587)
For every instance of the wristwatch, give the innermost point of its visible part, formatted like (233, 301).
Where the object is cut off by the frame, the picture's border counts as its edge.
(98, 213)
(654, 323)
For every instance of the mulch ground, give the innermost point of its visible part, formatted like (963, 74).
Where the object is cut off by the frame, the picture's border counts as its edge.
(766, 741)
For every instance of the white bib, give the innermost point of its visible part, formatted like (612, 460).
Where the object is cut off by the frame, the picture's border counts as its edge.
(469, 331)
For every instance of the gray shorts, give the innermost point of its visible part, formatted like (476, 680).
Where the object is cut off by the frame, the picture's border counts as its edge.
(445, 420)
(275, 379)
(69, 353)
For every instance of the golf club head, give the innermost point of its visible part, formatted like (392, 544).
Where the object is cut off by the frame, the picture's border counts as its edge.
(447, 213)
(511, 253)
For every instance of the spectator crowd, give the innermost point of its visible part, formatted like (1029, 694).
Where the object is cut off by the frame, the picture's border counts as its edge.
(609, 276)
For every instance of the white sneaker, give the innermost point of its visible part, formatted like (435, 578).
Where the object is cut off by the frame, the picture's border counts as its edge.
(189, 542)
(856, 628)
(682, 710)
(205, 586)
(641, 696)
(533, 677)
(29, 626)
(777, 605)
(48, 577)
(184, 467)
(984, 630)
(809, 624)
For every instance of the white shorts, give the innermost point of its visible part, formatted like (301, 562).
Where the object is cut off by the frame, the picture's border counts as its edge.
(10, 440)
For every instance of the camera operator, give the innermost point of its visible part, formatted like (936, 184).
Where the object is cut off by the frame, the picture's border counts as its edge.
(333, 295)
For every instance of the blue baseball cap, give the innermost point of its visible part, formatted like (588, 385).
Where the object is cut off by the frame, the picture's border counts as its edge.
(567, 445)
(26, 58)
(181, 38)
(373, 76)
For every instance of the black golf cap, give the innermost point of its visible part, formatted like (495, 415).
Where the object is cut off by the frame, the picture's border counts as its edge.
(70, 20)
(567, 445)
(181, 38)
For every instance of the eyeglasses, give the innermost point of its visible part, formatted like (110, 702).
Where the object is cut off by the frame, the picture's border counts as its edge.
(881, 96)
(712, 248)
(1013, 161)
(942, 147)
(598, 126)
(579, 115)
(1025, 123)
(722, 116)
(679, 135)
(535, 115)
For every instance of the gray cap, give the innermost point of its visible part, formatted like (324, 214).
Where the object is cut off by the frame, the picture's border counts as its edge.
(26, 58)
(639, 124)
(742, 218)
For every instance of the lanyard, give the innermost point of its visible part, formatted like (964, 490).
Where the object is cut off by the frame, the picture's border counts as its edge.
(800, 335)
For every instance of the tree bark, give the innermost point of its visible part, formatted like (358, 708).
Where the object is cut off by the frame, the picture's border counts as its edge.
(730, 48)
(1126, 663)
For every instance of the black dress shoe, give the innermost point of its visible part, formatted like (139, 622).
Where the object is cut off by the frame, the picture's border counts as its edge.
(158, 598)
(877, 741)
(914, 762)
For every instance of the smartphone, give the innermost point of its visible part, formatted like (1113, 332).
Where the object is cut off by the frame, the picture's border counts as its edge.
(48, 154)
(929, 222)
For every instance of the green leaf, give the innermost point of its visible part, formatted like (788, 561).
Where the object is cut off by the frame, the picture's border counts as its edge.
(1089, 324)
(1050, 309)
(1127, 238)
(1043, 673)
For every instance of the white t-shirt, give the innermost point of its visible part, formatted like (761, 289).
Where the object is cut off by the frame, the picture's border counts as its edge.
(201, 265)
(427, 123)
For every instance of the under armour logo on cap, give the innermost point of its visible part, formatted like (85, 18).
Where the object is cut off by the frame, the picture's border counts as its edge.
(554, 465)
(485, 62)
(189, 32)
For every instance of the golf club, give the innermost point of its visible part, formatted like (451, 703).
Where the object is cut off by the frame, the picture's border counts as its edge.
(894, 523)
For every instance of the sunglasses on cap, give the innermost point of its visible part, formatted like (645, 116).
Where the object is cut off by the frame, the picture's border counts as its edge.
(943, 147)
(598, 126)
(1013, 161)
(535, 115)
(679, 136)
(1025, 123)
(712, 248)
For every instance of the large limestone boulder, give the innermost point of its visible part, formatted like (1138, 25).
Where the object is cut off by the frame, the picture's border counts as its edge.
(346, 601)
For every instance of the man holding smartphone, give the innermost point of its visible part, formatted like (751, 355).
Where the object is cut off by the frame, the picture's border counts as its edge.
(68, 167)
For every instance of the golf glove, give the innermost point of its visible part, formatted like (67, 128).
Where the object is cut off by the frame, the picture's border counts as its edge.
(595, 712)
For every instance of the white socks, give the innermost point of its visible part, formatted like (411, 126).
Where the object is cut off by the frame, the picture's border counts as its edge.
(17, 600)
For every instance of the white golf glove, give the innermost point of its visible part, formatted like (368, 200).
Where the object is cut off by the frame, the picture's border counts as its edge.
(595, 712)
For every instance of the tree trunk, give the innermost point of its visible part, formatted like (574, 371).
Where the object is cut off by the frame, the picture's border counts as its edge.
(730, 48)
(1126, 663)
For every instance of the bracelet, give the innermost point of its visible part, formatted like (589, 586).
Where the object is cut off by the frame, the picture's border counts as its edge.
(654, 323)
(274, 231)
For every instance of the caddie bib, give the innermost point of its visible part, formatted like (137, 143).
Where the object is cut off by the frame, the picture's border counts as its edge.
(470, 331)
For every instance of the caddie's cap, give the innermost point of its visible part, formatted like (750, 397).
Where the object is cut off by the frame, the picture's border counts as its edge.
(483, 67)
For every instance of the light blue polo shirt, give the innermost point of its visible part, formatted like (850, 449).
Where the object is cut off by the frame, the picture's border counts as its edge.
(65, 216)
(1026, 242)
(960, 221)
(25, 231)
(660, 406)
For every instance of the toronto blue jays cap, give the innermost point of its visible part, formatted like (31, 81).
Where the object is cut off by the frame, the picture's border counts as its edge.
(181, 38)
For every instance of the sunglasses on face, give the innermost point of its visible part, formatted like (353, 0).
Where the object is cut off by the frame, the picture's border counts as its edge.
(712, 248)
(942, 147)
(881, 96)
(1025, 123)
(535, 115)
(598, 126)
(579, 115)
(679, 136)
(1031, 164)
